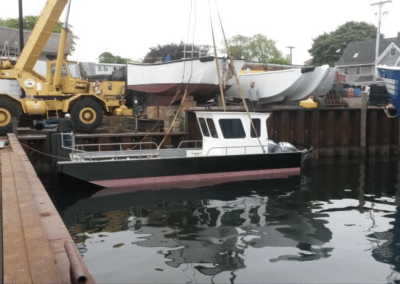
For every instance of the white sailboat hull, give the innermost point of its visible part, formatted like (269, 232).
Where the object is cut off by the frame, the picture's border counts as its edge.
(292, 84)
(199, 76)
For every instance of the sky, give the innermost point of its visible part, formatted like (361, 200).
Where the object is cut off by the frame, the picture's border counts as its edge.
(129, 28)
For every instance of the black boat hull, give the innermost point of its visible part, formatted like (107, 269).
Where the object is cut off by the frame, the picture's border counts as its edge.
(174, 171)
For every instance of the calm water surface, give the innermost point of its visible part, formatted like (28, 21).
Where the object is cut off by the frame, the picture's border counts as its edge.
(339, 222)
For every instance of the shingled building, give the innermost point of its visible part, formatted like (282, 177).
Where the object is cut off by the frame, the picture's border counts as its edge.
(358, 59)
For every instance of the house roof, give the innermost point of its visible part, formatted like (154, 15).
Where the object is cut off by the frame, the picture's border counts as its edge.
(365, 50)
(11, 36)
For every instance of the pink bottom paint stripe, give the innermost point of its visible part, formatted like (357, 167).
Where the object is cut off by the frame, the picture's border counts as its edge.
(192, 181)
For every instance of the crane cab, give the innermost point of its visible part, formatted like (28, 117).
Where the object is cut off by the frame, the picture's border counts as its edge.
(71, 80)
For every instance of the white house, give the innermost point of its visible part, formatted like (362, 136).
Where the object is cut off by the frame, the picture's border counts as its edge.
(98, 71)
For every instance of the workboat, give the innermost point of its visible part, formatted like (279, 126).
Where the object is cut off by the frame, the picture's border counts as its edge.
(198, 76)
(291, 84)
(391, 78)
(233, 147)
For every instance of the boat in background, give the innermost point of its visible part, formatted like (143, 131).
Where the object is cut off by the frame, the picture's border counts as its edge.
(391, 78)
(272, 86)
(290, 84)
(198, 75)
(316, 84)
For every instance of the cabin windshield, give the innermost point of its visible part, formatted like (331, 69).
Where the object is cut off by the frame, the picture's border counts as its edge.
(63, 70)
(212, 128)
(203, 127)
(232, 128)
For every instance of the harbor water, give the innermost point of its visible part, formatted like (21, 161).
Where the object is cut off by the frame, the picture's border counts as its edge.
(338, 222)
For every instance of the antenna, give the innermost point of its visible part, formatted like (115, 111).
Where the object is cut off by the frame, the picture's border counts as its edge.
(378, 33)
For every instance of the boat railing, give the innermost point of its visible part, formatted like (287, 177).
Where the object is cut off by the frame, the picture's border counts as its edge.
(304, 149)
(120, 150)
(119, 146)
(245, 149)
(188, 142)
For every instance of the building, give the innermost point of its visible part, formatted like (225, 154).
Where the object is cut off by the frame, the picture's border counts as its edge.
(98, 71)
(358, 59)
(9, 49)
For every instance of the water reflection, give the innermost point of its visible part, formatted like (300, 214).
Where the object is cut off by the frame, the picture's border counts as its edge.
(337, 215)
(387, 244)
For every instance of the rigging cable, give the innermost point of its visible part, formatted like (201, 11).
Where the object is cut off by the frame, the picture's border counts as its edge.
(216, 60)
(187, 40)
(43, 152)
(188, 83)
(237, 79)
(182, 81)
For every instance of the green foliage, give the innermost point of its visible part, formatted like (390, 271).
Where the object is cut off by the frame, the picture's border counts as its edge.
(176, 51)
(108, 57)
(328, 48)
(29, 23)
(256, 48)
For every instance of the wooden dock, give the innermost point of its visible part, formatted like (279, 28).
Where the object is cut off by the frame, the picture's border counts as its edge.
(37, 247)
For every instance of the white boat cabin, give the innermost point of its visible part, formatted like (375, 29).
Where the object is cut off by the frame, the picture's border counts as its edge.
(231, 133)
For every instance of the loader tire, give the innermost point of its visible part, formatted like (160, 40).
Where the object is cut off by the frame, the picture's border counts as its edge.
(7, 111)
(86, 115)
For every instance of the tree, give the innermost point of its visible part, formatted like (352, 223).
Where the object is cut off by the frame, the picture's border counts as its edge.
(29, 23)
(108, 57)
(328, 48)
(176, 52)
(258, 48)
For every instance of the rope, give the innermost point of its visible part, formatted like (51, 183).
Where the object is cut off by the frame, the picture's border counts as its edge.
(183, 76)
(386, 110)
(43, 152)
(237, 79)
(216, 60)
(173, 121)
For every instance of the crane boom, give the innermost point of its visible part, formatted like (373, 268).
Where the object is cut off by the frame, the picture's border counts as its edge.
(62, 89)
(40, 34)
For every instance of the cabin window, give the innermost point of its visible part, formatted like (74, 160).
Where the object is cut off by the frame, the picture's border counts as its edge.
(203, 127)
(393, 52)
(358, 70)
(232, 128)
(346, 71)
(211, 126)
(63, 70)
(257, 126)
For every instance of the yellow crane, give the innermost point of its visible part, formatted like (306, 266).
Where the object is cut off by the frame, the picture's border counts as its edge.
(62, 90)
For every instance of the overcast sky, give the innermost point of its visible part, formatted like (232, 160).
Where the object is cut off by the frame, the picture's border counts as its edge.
(128, 28)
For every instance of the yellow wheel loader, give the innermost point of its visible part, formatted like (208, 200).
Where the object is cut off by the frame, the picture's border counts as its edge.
(62, 90)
